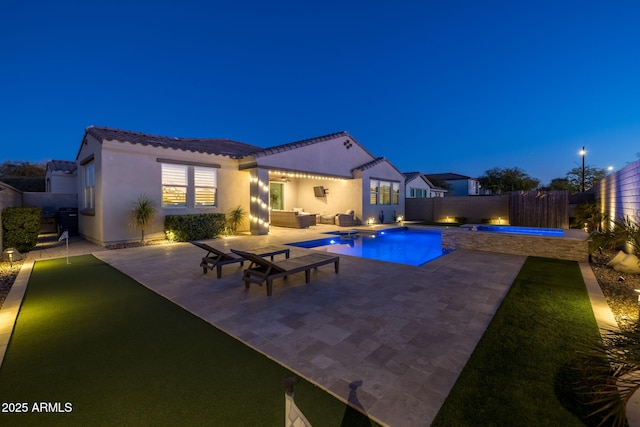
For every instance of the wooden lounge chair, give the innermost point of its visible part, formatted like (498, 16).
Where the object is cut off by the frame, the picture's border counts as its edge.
(217, 258)
(261, 270)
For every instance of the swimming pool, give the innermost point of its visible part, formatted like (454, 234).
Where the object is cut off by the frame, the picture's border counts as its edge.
(402, 246)
(533, 231)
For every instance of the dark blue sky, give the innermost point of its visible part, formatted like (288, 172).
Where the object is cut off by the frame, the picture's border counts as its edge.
(433, 86)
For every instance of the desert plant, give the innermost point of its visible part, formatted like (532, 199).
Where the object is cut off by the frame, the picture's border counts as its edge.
(142, 213)
(589, 216)
(235, 218)
(619, 234)
(21, 227)
(614, 365)
(182, 228)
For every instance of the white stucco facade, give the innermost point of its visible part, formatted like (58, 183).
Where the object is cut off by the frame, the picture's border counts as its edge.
(130, 166)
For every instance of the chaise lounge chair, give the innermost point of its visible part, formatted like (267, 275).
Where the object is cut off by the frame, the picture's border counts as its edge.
(217, 258)
(261, 270)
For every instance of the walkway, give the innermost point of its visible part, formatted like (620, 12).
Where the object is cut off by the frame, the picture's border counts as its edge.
(401, 333)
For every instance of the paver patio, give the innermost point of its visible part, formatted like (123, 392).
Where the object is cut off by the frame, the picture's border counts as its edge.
(391, 339)
(402, 334)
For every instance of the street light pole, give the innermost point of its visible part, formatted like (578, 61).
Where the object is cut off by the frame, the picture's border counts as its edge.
(582, 153)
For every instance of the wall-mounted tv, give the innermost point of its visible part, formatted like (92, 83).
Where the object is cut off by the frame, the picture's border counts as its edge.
(318, 191)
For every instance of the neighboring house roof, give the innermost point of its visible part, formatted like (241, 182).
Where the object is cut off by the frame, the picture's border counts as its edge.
(448, 176)
(305, 142)
(410, 176)
(220, 146)
(65, 166)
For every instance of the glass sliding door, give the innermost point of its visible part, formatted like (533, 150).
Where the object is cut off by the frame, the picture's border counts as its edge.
(276, 195)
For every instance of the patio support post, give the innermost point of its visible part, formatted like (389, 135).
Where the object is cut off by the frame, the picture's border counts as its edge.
(259, 201)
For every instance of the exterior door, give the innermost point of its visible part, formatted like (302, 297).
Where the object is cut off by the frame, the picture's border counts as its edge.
(276, 195)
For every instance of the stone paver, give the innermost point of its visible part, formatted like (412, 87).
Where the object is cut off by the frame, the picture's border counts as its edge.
(390, 339)
(402, 333)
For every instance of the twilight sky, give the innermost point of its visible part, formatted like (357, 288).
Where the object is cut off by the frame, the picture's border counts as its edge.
(443, 86)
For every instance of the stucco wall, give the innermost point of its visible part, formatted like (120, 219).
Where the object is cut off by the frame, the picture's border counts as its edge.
(475, 209)
(342, 195)
(417, 183)
(126, 171)
(330, 157)
(383, 171)
(60, 182)
(50, 200)
(618, 194)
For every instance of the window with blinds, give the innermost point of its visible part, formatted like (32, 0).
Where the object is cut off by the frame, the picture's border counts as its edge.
(205, 185)
(89, 186)
(174, 185)
(384, 192)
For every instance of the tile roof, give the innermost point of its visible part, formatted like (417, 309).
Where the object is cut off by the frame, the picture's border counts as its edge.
(306, 142)
(411, 175)
(449, 176)
(220, 146)
(62, 166)
(370, 164)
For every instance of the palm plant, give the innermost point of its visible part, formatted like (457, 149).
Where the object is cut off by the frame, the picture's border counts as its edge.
(589, 216)
(235, 218)
(142, 213)
(611, 375)
(621, 233)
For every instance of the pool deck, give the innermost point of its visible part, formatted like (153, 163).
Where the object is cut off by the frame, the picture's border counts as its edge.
(399, 335)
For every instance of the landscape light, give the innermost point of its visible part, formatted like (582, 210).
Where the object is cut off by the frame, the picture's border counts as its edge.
(10, 253)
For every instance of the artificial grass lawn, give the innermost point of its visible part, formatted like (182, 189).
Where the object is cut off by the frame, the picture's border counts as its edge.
(121, 354)
(521, 372)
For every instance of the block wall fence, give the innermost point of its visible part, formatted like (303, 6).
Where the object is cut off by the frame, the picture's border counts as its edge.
(618, 194)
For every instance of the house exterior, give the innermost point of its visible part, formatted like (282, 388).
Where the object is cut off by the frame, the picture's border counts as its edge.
(61, 177)
(325, 175)
(460, 185)
(418, 186)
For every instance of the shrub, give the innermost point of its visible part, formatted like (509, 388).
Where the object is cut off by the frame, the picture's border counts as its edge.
(21, 227)
(183, 228)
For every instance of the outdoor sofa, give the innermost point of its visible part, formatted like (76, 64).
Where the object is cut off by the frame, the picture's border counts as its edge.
(291, 219)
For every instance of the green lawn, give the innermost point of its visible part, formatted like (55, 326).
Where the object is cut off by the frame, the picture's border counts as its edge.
(522, 373)
(120, 354)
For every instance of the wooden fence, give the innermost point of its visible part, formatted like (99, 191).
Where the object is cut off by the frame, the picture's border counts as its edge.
(549, 209)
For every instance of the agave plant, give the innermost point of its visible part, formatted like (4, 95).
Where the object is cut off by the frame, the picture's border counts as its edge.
(142, 213)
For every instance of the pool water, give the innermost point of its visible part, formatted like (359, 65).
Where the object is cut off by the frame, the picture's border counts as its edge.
(402, 246)
(533, 231)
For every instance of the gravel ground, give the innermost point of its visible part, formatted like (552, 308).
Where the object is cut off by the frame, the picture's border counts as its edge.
(618, 288)
(8, 274)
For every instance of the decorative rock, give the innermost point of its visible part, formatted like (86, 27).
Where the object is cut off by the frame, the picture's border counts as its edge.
(630, 264)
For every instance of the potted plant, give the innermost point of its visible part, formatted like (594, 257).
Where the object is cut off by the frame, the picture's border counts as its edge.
(142, 213)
